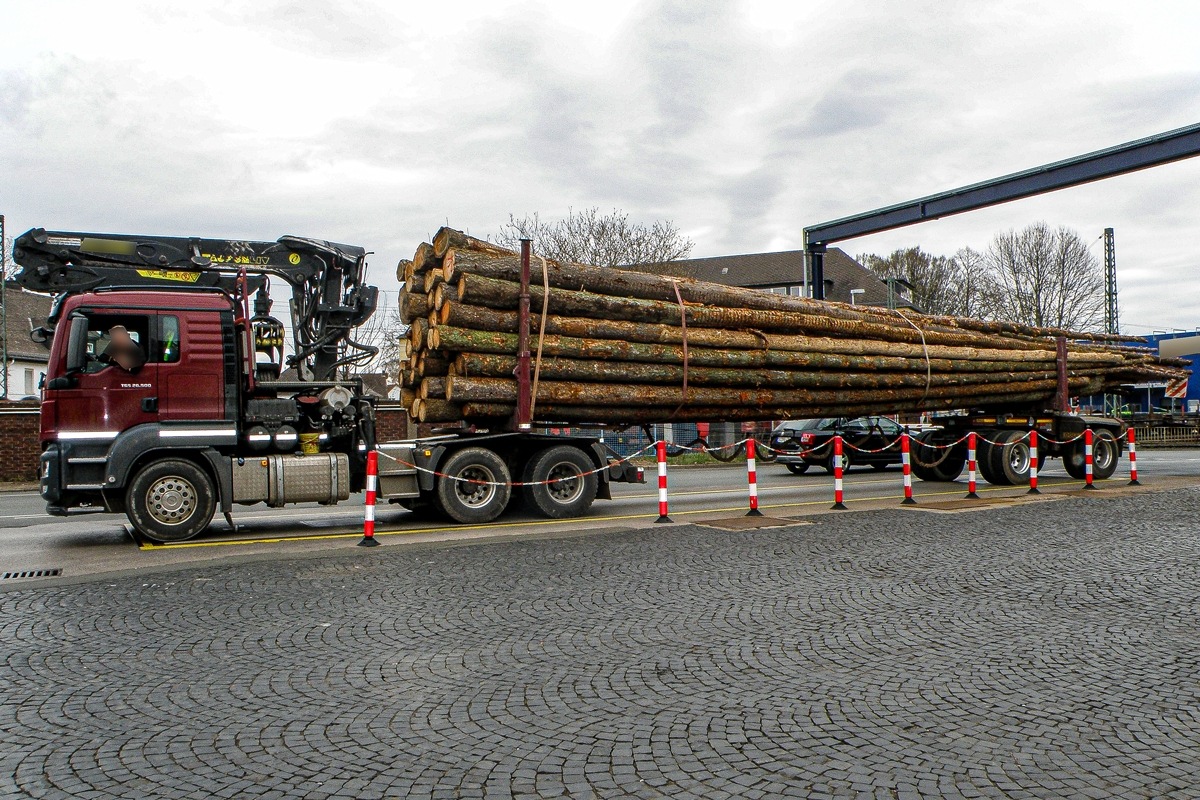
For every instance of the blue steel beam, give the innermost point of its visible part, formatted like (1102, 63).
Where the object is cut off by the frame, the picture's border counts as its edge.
(1152, 151)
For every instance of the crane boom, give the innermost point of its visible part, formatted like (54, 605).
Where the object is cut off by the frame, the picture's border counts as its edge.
(329, 295)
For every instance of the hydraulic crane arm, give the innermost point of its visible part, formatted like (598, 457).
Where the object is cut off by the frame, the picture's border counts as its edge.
(329, 296)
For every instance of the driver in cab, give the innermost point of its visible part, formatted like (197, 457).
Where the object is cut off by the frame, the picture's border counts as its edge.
(122, 350)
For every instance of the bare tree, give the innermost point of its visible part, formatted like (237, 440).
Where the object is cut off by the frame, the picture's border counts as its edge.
(975, 284)
(937, 281)
(589, 237)
(386, 332)
(1046, 277)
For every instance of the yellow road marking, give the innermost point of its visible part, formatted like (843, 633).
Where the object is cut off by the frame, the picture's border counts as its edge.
(537, 523)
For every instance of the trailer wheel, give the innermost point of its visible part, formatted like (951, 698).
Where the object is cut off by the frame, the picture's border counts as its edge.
(797, 469)
(1006, 463)
(574, 482)
(1074, 461)
(170, 500)
(1106, 452)
(934, 465)
(474, 485)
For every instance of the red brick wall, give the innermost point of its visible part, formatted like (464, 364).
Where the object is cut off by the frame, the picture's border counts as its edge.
(391, 423)
(18, 442)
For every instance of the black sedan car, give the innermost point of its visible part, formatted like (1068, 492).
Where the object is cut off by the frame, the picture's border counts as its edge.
(803, 443)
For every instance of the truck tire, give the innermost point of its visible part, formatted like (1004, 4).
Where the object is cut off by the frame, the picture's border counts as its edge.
(571, 495)
(1106, 452)
(1006, 463)
(464, 501)
(934, 465)
(170, 500)
(1105, 455)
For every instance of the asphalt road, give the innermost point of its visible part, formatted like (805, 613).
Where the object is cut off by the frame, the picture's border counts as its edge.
(100, 543)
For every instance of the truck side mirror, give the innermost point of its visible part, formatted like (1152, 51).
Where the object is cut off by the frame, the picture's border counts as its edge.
(77, 344)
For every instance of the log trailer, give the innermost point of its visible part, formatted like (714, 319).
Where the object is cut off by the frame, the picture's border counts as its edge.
(211, 419)
(1004, 458)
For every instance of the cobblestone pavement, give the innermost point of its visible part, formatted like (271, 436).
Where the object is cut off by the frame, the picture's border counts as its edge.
(1047, 650)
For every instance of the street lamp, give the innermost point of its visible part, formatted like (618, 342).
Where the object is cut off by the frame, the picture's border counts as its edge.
(854, 293)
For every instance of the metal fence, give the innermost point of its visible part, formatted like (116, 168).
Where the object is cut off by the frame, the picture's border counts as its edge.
(1167, 436)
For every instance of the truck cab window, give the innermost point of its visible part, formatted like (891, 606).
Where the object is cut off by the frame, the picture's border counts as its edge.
(117, 342)
(168, 349)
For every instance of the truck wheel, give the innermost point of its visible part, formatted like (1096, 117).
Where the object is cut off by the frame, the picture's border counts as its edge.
(481, 490)
(1106, 452)
(572, 492)
(1105, 455)
(170, 500)
(797, 469)
(1007, 460)
(928, 463)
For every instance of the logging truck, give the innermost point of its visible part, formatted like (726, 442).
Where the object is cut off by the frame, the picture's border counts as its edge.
(167, 393)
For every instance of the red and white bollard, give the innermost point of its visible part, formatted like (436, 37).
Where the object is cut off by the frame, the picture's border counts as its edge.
(369, 539)
(661, 450)
(1133, 481)
(752, 477)
(838, 505)
(1089, 461)
(1033, 463)
(906, 465)
(971, 442)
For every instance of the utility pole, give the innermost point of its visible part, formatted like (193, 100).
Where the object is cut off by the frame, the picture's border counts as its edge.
(4, 308)
(1112, 322)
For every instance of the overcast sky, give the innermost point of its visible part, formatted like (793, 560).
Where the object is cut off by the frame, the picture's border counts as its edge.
(374, 123)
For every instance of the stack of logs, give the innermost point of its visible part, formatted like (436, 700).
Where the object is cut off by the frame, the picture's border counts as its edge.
(621, 347)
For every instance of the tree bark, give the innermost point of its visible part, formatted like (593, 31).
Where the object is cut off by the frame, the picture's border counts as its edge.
(474, 365)
(488, 319)
(504, 295)
(604, 395)
(447, 238)
(425, 259)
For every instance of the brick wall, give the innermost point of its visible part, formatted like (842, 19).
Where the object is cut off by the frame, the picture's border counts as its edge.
(19, 435)
(391, 422)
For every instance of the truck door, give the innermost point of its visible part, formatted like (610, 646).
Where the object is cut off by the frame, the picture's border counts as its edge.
(114, 389)
(192, 363)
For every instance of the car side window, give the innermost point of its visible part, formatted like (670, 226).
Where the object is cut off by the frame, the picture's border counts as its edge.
(860, 425)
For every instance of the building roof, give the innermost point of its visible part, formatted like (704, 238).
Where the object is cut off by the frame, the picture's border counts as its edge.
(20, 308)
(784, 268)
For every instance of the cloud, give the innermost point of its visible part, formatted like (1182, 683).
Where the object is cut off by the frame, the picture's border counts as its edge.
(374, 123)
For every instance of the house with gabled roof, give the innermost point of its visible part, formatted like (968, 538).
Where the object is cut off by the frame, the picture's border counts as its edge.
(27, 360)
(846, 281)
